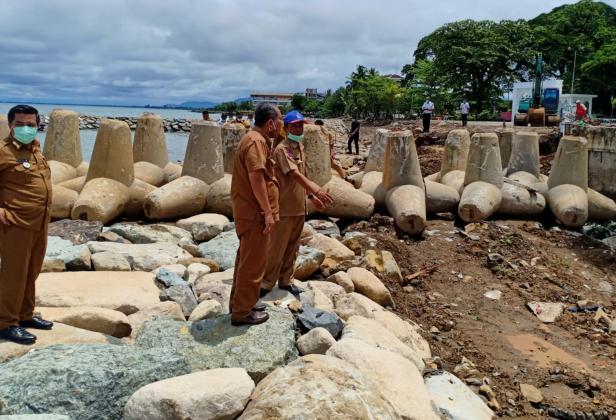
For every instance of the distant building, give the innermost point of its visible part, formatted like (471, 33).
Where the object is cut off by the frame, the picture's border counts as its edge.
(314, 94)
(394, 77)
(279, 99)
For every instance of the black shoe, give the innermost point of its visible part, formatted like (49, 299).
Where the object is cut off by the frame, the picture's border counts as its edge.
(17, 335)
(293, 289)
(263, 292)
(37, 324)
(253, 318)
(259, 307)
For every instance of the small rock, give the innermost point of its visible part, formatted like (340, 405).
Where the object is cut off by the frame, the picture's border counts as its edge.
(211, 394)
(110, 261)
(605, 287)
(196, 270)
(178, 269)
(486, 391)
(342, 279)
(370, 286)
(53, 265)
(311, 318)
(385, 264)
(434, 330)
(326, 228)
(205, 310)
(493, 294)
(182, 294)
(168, 278)
(315, 341)
(531, 393)
(109, 236)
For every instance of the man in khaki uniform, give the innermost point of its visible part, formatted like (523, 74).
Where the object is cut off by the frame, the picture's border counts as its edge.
(291, 175)
(254, 197)
(25, 210)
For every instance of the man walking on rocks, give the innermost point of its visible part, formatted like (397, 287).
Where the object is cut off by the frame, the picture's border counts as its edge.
(354, 137)
(25, 210)
(254, 197)
(428, 109)
(291, 175)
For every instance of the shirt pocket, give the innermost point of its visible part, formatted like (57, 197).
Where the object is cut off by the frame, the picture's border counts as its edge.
(18, 174)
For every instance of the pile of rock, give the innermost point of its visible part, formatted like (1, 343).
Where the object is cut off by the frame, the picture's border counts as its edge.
(157, 342)
(89, 122)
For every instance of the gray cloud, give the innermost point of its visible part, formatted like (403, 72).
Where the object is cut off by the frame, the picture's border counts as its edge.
(154, 51)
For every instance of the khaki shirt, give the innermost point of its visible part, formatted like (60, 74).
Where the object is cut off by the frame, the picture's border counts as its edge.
(253, 154)
(25, 184)
(289, 155)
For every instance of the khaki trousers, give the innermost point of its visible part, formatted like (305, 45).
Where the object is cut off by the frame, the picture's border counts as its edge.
(283, 249)
(250, 262)
(23, 253)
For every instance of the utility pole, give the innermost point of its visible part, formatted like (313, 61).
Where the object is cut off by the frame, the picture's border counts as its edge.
(573, 77)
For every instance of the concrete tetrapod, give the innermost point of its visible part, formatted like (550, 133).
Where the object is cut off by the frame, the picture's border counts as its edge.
(349, 202)
(440, 198)
(455, 155)
(524, 153)
(570, 165)
(112, 157)
(61, 172)
(172, 172)
(569, 203)
(407, 205)
(137, 193)
(100, 200)
(479, 201)
(62, 202)
(318, 163)
(484, 160)
(372, 183)
(520, 201)
(401, 161)
(4, 127)
(376, 155)
(150, 144)
(83, 168)
(406, 195)
(62, 141)
(203, 158)
(75, 184)
(150, 173)
(218, 198)
(231, 136)
(505, 144)
(601, 158)
(455, 180)
(184, 197)
(600, 207)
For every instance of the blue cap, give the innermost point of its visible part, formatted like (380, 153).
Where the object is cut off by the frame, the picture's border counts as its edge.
(293, 116)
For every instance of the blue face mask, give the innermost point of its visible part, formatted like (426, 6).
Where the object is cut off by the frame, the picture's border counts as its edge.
(25, 134)
(295, 138)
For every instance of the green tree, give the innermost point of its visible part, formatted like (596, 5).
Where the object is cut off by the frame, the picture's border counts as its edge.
(299, 102)
(584, 32)
(477, 59)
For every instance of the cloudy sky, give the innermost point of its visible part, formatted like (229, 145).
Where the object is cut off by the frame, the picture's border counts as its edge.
(155, 51)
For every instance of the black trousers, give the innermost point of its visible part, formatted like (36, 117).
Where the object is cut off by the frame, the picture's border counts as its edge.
(426, 122)
(464, 119)
(350, 144)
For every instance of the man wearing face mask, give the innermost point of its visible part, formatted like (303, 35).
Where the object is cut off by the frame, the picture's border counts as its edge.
(254, 197)
(25, 210)
(291, 175)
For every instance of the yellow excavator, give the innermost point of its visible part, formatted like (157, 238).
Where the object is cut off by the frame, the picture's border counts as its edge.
(542, 109)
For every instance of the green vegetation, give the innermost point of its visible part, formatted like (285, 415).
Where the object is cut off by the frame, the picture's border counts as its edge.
(480, 60)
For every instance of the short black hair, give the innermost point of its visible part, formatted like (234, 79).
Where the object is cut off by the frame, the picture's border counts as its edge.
(318, 122)
(23, 109)
(205, 112)
(263, 113)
